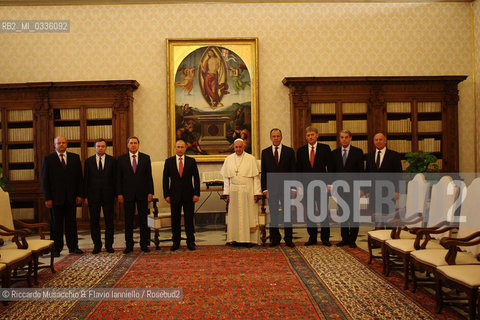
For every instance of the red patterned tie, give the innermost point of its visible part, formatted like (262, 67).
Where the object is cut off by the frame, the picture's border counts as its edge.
(64, 165)
(180, 167)
(134, 163)
(312, 156)
(276, 155)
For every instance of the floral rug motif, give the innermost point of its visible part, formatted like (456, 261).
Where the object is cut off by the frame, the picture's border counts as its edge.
(222, 282)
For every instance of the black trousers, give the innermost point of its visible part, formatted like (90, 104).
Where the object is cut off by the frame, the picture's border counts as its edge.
(325, 228)
(60, 215)
(108, 213)
(142, 210)
(276, 219)
(176, 218)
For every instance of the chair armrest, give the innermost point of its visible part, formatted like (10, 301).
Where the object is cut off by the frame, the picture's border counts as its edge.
(40, 226)
(467, 238)
(451, 242)
(16, 234)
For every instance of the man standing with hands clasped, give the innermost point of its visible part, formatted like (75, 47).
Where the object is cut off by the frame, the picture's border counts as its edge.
(180, 191)
(99, 177)
(135, 187)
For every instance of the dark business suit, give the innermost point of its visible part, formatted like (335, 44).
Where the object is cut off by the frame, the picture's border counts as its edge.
(353, 164)
(181, 191)
(322, 158)
(135, 187)
(62, 186)
(392, 163)
(286, 163)
(100, 192)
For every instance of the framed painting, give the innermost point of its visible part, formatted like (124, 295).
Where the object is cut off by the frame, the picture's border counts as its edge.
(212, 96)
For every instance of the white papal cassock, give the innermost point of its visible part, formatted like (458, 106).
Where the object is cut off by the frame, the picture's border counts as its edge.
(241, 182)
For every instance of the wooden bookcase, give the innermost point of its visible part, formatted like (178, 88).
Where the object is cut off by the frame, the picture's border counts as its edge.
(416, 113)
(32, 114)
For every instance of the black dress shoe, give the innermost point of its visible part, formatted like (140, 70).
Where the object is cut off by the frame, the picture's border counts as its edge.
(353, 245)
(56, 254)
(310, 243)
(175, 247)
(191, 246)
(96, 250)
(145, 249)
(341, 244)
(274, 244)
(289, 244)
(127, 250)
(76, 251)
(327, 244)
(250, 245)
(110, 250)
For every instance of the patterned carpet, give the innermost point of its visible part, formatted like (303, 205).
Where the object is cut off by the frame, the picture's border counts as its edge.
(232, 283)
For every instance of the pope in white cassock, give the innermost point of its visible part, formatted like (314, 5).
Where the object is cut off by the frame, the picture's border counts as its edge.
(242, 186)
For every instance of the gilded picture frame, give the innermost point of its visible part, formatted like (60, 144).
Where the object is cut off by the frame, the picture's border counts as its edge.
(212, 87)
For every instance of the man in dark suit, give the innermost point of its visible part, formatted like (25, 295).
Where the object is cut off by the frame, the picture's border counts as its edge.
(99, 181)
(277, 158)
(314, 157)
(347, 159)
(135, 187)
(382, 160)
(62, 189)
(179, 191)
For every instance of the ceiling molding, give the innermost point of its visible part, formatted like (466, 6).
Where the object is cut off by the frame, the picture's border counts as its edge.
(125, 2)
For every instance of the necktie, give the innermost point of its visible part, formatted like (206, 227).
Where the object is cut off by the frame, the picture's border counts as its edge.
(377, 163)
(64, 165)
(312, 156)
(100, 167)
(180, 167)
(134, 163)
(344, 157)
(276, 155)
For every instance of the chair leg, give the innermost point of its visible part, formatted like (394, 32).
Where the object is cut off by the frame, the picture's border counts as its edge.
(438, 295)
(387, 261)
(414, 278)
(29, 273)
(369, 242)
(382, 248)
(35, 269)
(472, 303)
(52, 257)
(405, 271)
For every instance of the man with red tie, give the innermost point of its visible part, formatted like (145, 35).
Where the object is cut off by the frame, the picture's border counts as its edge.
(314, 157)
(180, 191)
(135, 187)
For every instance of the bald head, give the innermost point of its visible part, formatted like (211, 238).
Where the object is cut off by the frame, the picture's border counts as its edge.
(60, 144)
(380, 141)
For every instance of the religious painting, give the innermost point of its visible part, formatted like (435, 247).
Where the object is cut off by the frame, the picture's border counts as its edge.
(212, 96)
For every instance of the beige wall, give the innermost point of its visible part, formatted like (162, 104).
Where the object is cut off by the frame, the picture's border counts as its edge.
(324, 39)
(476, 24)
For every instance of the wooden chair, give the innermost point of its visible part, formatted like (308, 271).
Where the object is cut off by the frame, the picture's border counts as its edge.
(430, 260)
(38, 247)
(443, 196)
(417, 190)
(14, 259)
(465, 278)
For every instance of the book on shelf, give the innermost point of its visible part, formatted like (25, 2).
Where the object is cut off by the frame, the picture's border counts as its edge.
(20, 134)
(355, 126)
(20, 115)
(425, 107)
(331, 144)
(20, 155)
(69, 114)
(401, 146)
(102, 131)
(362, 144)
(326, 127)
(399, 126)
(323, 108)
(430, 145)
(430, 126)
(75, 150)
(21, 175)
(399, 107)
(70, 133)
(99, 113)
(355, 107)
(23, 213)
